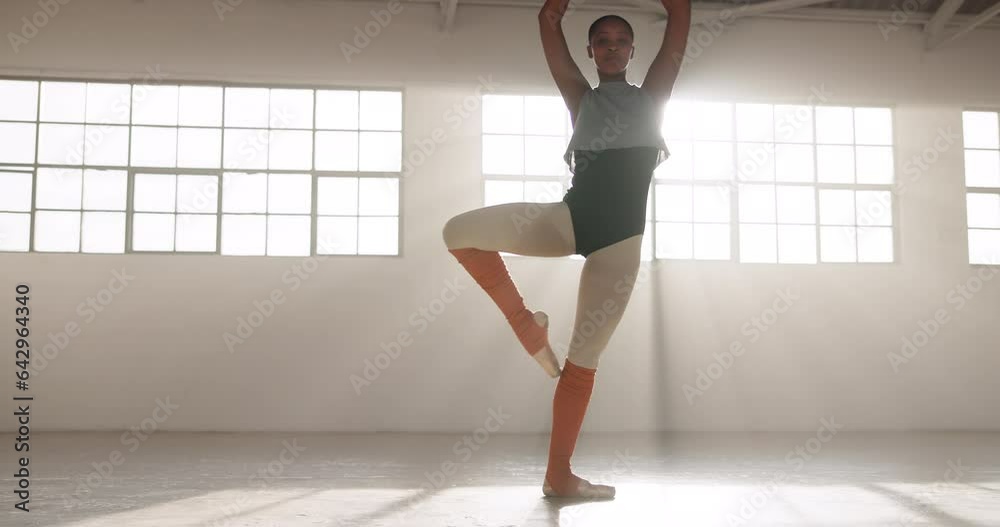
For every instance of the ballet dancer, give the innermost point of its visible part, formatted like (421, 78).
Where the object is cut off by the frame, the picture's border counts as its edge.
(615, 146)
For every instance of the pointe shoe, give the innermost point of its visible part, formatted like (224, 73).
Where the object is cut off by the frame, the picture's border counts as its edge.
(584, 490)
(545, 357)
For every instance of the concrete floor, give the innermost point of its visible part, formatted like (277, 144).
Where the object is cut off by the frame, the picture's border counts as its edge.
(686, 480)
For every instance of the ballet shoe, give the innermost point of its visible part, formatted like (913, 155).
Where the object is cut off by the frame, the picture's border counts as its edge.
(581, 489)
(545, 357)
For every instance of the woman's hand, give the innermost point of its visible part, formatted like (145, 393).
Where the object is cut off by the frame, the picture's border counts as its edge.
(554, 10)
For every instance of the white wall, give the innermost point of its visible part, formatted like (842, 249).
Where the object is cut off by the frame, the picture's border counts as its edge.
(826, 356)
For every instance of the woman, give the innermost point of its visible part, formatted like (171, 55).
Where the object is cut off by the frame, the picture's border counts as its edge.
(615, 147)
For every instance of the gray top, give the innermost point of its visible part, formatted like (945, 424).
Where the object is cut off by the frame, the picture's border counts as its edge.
(616, 114)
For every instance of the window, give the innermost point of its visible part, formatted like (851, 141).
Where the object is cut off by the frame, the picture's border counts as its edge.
(692, 196)
(981, 133)
(801, 184)
(111, 167)
(524, 139)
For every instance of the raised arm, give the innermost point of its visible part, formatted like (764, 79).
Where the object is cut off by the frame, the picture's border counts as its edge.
(571, 83)
(659, 81)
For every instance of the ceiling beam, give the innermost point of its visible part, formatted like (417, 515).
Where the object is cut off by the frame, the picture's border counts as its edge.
(759, 8)
(941, 17)
(980, 19)
(825, 14)
(448, 8)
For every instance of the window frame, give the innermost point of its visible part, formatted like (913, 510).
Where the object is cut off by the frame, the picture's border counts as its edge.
(145, 80)
(975, 190)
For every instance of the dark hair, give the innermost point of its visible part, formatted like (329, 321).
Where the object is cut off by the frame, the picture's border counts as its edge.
(605, 18)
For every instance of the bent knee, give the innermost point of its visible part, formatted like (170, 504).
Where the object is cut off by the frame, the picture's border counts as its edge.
(451, 232)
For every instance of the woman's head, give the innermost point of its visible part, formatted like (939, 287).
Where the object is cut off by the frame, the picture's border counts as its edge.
(610, 44)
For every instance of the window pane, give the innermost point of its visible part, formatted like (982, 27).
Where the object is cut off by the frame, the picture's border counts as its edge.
(152, 232)
(680, 163)
(838, 244)
(984, 247)
(835, 164)
(646, 251)
(15, 231)
(155, 105)
(200, 106)
(58, 144)
(713, 160)
(243, 235)
(834, 125)
(755, 161)
(289, 235)
(154, 147)
(108, 103)
(245, 149)
(380, 151)
(289, 193)
(873, 125)
(875, 244)
(673, 203)
(196, 232)
(758, 243)
(337, 195)
(674, 240)
(677, 119)
(757, 203)
(381, 110)
(155, 192)
(337, 109)
(874, 207)
(16, 194)
(378, 235)
(503, 114)
(711, 242)
(545, 115)
(836, 207)
(290, 150)
(64, 101)
(794, 163)
(711, 204)
(981, 130)
(244, 193)
(199, 148)
(983, 210)
(291, 108)
(503, 154)
(103, 232)
(543, 191)
(796, 244)
(379, 196)
(543, 155)
(755, 122)
(197, 194)
(57, 231)
(17, 143)
(498, 192)
(796, 205)
(982, 168)
(337, 151)
(104, 190)
(106, 145)
(875, 165)
(793, 124)
(336, 235)
(247, 107)
(59, 188)
(714, 121)
(18, 100)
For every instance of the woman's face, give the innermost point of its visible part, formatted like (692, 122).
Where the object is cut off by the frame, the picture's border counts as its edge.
(611, 47)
